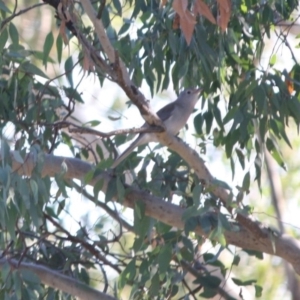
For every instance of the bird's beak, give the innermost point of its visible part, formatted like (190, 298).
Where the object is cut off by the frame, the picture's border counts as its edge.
(197, 91)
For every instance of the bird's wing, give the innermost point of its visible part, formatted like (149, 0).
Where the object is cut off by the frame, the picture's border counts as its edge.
(165, 112)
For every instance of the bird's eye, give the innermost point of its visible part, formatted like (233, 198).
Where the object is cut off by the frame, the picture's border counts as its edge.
(188, 92)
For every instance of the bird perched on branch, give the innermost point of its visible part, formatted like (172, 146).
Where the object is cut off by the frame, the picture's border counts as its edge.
(174, 115)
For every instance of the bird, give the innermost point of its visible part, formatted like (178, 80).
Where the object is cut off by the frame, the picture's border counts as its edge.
(174, 115)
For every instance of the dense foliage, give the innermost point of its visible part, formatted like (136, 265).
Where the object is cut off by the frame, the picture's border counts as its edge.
(245, 108)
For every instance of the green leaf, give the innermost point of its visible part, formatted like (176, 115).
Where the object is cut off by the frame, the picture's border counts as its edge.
(28, 67)
(208, 117)
(155, 286)
(190, 224)
(208, 281)
(258, 290)
(294, 108)
(73, 94)
(186, 254)
(120, 190)
(274, 150)
(128, 274)
(236, 260)
(13, 33)
(230, 115)
(197, 191)
(59, 47)
(240, 282)
(98, 187)
(34, 190)
(142, 225)
(139, 209)
(29, 276)
(92, 123)
(241, 157)
(4, 8)
(61, 206)
(259, 96)
(69, 70)
(198, 123)
(118, 7)
(246, 182)
(164, 258)
(111, 190)
(273, 60)
(208, 292)
(205, 223)
(125, 27)
(3, 39)
(47, 47)
(17, 284)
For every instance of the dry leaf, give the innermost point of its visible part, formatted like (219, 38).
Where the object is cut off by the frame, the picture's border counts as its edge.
(180, 6)
(289, 83)
(87, 64)
(226, 5)
(187, 20)
(224, 13)
(202, 9)
(187, 24)
(62, 31)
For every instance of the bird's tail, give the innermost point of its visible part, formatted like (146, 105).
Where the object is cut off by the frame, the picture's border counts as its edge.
(127, 152)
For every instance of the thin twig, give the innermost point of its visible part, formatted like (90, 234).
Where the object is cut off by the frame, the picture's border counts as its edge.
(88, 246)
(73, 128)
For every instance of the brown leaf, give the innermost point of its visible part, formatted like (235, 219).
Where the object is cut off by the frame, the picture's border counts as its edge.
(289, 83)
(202, 9)
(87, 63)
(187, 20)
(62, 31)
(224, 14)
(187, 24)
(180, 6)
(225, 4)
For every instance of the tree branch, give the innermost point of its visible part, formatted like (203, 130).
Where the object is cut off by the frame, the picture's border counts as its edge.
(72, 127)
(58, 281)
(281, 245)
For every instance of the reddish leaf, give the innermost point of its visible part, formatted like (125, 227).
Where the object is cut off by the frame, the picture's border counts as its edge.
(187, 20)
(202, 9)
(187, 24)
(224, 13)
(289, 83)
(62, 31)
(180, 6)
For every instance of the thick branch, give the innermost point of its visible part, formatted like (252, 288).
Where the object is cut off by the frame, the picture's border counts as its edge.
(58, 280)
(284, 246)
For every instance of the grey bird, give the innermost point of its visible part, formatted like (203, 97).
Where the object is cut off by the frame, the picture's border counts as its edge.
(174, 115)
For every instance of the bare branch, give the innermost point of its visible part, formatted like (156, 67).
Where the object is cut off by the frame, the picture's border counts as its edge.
(80, 129)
